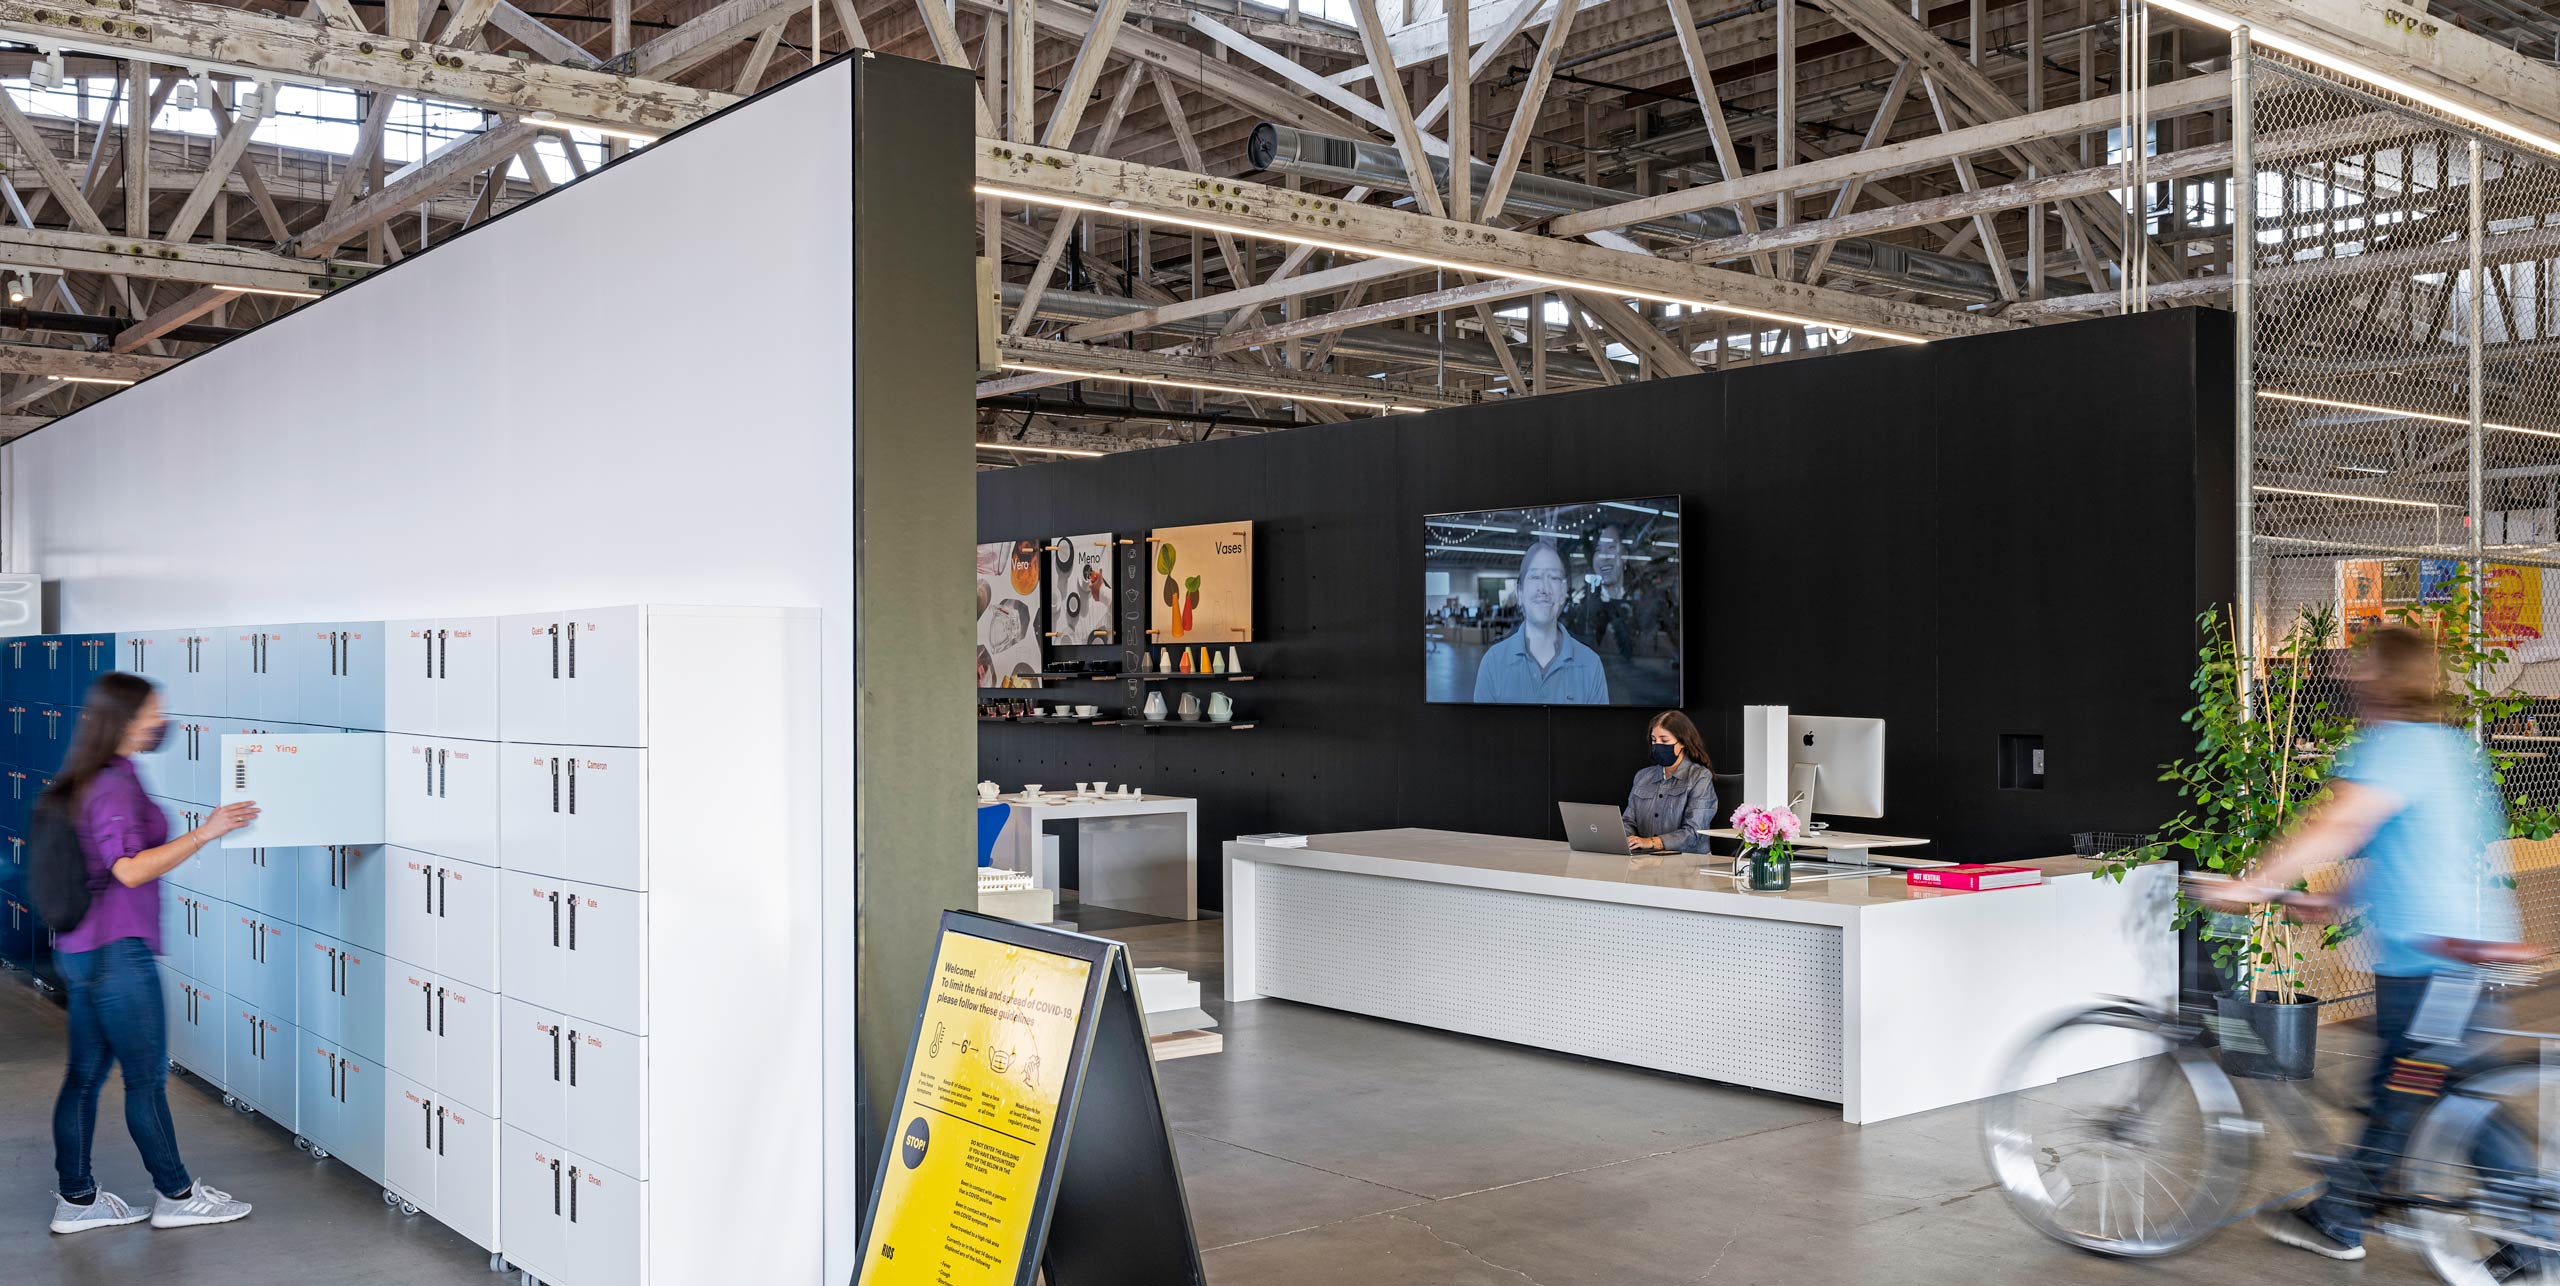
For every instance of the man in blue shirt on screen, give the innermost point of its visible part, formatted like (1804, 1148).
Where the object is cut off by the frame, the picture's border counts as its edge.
(1541, 663)
(2412, 812)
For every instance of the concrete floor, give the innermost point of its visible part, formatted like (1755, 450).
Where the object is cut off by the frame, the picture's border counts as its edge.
(1319, 1147)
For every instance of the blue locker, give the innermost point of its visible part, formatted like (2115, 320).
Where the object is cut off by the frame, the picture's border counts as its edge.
(19, 667)
(13, 863)
(48, 735)
(15, 942)
(17, 724)
(87, 656)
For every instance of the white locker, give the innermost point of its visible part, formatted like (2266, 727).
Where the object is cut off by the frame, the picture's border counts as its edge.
(574, 677)
(340, 891)
(441, 796)
(259, 1065)
(580, 1083)
(581, 949)
(578, 812)
(570, 1221)
(441, 677)
(441, 1156)
(195, 1024)
(263, 880)
(444, 916)
(607, 950)
(258, 964)
(444, 1035)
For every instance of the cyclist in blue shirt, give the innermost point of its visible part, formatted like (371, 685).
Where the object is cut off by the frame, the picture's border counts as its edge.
(2412, 811)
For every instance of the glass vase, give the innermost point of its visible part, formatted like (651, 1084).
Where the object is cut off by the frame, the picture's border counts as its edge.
(1771, 869)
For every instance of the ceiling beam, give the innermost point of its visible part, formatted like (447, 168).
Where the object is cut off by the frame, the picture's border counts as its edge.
(1104, 363)
(254, 270)
(56, 363)
(1261, 210)
(198, 302)
(1198, 67)
(1331, 279)
(2442, 59)
(187, 33)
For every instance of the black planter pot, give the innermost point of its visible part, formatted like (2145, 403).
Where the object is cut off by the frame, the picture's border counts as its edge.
(2266, 1041)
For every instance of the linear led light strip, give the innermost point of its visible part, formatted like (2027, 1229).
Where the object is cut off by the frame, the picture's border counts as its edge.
(1125, 377)
(2404, 413)
(2349, 495)
(1486, 270)
(1037, 450)
(91, 379)
(2287, 45)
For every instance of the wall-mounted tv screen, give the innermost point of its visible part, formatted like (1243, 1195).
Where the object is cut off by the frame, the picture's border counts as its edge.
(1554, 604)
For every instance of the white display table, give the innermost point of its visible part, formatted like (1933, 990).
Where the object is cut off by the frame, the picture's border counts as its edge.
(1137, 855)
(1885, 999)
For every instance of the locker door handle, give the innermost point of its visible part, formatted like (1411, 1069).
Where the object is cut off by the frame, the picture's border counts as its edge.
(439, 1011)
(555, 651)
(333, 971)
(573, 785)
(427, 885)
(573, 1194)
(573, 922)
(555, 1051)
(555, 919)
(555, 783)
(333, 654)
(443, 758)
(427, 1007)
(444, 894)
(573, 1060)
(572, 631)
(333, 1075)
(427, 644)
(427, 1123)
(444, 658)
(555, 1187)
(441, 1117)
(429, 757)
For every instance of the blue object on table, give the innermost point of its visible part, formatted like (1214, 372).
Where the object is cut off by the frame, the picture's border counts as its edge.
(991, 820)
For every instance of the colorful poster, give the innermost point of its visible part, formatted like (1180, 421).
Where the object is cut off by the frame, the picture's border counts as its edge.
(2360, 602)
(1008, 614)
(2511, 609)
(1203, 584)
(2514, 599)
(1080, 600)
(978, 1117)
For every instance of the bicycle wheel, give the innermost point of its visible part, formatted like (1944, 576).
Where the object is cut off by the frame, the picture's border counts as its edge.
(2143, 1156)
(2486, 1149)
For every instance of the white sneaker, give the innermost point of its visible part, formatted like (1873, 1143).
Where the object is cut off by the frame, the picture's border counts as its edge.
(106, 1210)
(201, 1205)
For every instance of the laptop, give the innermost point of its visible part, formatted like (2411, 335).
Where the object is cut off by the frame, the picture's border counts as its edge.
(1594, 828)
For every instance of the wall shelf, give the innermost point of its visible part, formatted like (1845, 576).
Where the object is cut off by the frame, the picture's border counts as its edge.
(1142, 676)
(1154, 725)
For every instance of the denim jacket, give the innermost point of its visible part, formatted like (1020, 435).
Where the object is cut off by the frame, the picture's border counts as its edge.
(1676, 804)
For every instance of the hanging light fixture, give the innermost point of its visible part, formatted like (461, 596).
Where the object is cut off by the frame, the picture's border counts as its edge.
(46, 72)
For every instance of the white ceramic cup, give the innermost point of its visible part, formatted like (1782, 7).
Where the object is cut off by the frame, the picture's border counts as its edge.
(1031, 790)
(1084, 788)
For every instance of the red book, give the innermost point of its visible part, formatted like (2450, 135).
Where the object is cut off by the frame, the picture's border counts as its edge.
(1972, 877)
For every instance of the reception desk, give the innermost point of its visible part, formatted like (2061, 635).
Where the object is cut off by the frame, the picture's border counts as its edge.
(1884, 999)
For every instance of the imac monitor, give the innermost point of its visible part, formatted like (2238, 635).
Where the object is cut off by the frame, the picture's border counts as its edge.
(1573, 604)
(1848, 758)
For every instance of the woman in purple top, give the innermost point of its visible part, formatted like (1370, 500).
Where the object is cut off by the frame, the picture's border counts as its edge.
(116, 1014)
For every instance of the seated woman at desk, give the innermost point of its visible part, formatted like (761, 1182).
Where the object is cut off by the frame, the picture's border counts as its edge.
(1673, 802)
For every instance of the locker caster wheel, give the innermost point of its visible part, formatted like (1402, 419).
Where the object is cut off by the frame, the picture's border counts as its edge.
(390, 1198)
(497, 1262)
(408, 1207)
(244, 1107)
(229, 1101)
(301, 1144)
(319, 1154)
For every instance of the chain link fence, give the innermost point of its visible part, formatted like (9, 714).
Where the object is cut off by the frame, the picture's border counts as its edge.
(2404, 430)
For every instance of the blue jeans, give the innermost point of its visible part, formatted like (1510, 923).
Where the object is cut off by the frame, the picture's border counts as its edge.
(116, 1015)
(2357, 1181)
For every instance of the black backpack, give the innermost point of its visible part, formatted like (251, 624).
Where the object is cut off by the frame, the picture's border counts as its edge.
(58, 877)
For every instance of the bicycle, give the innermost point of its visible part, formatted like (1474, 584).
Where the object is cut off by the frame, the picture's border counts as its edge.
(2148, 1157)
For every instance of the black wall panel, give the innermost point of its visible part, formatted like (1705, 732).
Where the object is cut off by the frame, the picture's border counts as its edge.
(2007, 534)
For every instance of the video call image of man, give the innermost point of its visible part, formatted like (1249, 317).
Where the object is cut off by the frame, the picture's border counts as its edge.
(1542, 663)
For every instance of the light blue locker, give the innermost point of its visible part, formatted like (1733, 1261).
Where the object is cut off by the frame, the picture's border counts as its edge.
(164, 769)
(89, 656)
(161, 656)
(211, 921)
(208, 872)
(340, 892)
(195, 1024)
(258, 960)
(339, 993)
(207, 672)
(259, 1061)
(313, 788)
(352, 682)
(340, 1097)
(177, 916)
(257, 674)
(264, 882)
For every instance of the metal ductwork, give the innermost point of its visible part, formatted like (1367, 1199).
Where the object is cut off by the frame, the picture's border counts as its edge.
(1282, 149)
(1370, 343)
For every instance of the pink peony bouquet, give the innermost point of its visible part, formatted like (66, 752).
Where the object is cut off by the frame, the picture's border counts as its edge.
(1766, 827)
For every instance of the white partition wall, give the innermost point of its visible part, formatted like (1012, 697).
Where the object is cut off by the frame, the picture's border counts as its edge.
(616, 394)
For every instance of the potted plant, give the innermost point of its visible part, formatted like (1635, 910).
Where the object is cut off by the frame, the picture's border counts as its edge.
(2264, 749)
(1768, 845)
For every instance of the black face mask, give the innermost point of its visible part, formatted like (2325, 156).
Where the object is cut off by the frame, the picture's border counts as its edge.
(158, 735)
(1664, 755)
